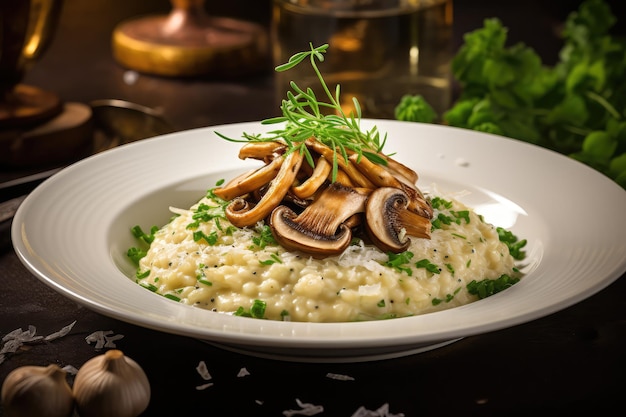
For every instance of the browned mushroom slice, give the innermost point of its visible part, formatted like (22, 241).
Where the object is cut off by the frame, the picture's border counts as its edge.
(389, 222)
(342, 178)
(254, 181)
(399, 168)
(260, 150)
(382, 177)
(355, 175)
(320, 230)
(245, 216)
(374, 172)
(315, 181)
(417, 202)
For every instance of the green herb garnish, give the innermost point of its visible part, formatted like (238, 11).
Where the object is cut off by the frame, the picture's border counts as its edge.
(429, 266)
(399, 261)
(306, 116)
(515, 246)
(140, 234)
(257, 310)
(274, 259)
(489, 287)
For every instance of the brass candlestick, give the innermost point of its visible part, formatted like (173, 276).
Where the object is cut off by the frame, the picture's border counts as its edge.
(189, 42)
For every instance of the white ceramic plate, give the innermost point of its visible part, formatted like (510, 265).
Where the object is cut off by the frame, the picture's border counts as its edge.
(72, 232)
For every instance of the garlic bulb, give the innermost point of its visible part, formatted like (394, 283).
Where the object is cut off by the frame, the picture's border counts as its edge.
(111, 384)
(37, 391)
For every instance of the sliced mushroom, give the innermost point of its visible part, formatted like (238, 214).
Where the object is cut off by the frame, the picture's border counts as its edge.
(374, 172)
(399, 168)
(320, 230)
(417, 202)
(355, 175)
(388, 220)
(342, 178)
(241, 215)
(254, 181)
(382, 177)
(317, 178)
(260, 150)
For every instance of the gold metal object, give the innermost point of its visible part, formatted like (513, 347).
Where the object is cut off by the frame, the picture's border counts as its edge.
(189, 42)
(26, 28)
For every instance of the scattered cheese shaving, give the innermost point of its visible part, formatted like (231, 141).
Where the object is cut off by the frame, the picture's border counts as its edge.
(64, 331)
(383, 411)
(203, 371)
(18, 337)
(103, 339)
(204, 386)
(243, 372)
(306, 409)
(339, 377)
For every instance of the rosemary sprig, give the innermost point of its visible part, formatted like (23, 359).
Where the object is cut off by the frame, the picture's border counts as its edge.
(305, 116)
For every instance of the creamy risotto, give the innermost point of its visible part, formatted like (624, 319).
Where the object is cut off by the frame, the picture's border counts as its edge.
(203, 261)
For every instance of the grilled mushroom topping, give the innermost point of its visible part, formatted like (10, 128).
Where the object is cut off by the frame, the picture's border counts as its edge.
(241, 215)
(389, 221)
(320, 230)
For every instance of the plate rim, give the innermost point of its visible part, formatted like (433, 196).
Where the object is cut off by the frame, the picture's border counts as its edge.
(303, 340)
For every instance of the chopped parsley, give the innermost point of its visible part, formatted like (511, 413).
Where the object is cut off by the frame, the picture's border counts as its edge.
(264, 238)
(201, 277)
(172, 297)
(146, 237)
(257, 310)
(429, 266)
(449, 297)
(515, 246)
(135, 254)
(489, 287)
(273, 260)
(211, 239)
(398, 261)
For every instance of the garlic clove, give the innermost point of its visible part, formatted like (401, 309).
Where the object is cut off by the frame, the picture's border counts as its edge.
(111, 384)
(37, 391)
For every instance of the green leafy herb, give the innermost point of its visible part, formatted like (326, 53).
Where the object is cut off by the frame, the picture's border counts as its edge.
(135, 254)
(140, 234)
(515, 246)
(449, 297)
(149, 286)
(201, 276)
(257, 310)
(211, 239)
(172, 297)
(304, 115)
(264, 238)
(414, 108)
(489, 287)
(576, 107)
(429, 266)
(273, 260)
(399, 261)
(142, 275)
(439, 203)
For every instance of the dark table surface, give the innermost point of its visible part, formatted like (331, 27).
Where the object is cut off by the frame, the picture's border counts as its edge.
(572, 361)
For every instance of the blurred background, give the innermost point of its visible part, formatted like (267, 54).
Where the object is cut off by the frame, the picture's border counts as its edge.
(79, 65)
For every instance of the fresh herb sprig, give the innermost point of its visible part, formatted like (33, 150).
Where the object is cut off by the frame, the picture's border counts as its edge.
(305, 116)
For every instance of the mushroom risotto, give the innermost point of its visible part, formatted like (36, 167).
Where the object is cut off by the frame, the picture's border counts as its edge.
(200, 259)
(328, 229)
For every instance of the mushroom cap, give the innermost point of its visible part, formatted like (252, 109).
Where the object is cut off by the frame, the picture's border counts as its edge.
(388, 221)
(293, 236)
